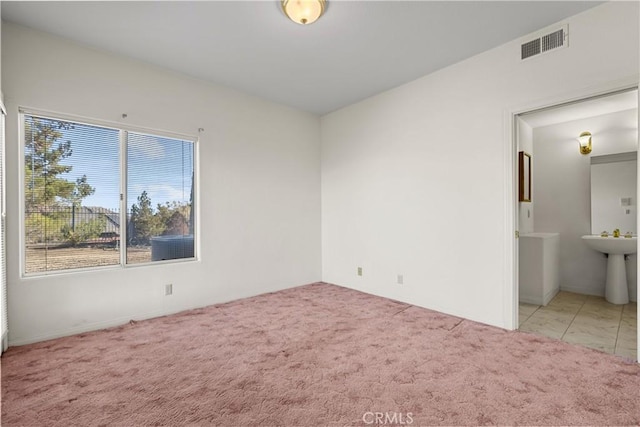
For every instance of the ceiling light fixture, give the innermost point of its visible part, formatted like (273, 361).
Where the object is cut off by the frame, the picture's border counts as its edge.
(585, 142)
(303, 12)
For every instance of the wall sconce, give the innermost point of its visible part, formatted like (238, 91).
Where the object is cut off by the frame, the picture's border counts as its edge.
(585, 142)
(303, 12)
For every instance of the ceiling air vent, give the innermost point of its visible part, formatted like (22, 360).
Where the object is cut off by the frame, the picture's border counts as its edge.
(531, 48)
(545, 43)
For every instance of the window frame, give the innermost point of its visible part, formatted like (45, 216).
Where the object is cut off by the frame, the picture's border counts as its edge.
(123, 130)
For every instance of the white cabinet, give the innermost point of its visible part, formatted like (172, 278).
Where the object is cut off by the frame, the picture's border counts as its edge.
(539, 262)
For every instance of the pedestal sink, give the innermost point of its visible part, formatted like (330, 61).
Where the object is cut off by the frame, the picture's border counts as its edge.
(616, 288)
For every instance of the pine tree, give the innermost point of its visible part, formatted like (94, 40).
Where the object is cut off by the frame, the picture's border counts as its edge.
(145, 224)
(45, 186)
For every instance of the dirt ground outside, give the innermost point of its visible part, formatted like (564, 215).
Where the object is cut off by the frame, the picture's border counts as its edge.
(39, 260)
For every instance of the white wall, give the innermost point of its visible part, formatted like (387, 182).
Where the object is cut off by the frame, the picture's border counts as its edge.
(413, 179)
(562, 180)
(259, 194)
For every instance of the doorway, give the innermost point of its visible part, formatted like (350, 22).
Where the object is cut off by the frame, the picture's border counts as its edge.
(560, 281)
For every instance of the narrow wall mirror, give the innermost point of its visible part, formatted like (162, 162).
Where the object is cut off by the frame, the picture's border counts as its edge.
(613, 192)
(524, 168)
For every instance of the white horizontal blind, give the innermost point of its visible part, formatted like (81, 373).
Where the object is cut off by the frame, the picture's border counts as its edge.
(98, 196)
(3, 258)
(72, 195)
(160, 175)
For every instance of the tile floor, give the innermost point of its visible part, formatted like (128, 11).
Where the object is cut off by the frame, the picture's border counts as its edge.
(585, 320)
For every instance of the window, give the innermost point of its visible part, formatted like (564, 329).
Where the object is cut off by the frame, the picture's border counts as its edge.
(82, 211)
(159, 171)
(4, 320)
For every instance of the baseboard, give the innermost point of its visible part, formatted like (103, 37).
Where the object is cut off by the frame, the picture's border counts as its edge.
(89, 327)
(5, 342)
(96, 326)
(535, 300)
(583, 291)
(433, 307)
(549, 295)
(593, 292)
(528, 299)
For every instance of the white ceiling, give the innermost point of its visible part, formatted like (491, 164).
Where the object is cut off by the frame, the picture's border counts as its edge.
(358, 49)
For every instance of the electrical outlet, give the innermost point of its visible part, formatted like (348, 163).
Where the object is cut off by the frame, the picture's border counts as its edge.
(400, 279)
(168, 289)
(359, 271)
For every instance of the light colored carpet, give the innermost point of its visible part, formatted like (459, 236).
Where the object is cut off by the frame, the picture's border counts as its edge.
(314, 355)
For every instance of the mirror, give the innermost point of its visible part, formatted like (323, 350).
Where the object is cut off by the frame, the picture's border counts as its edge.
(614, 193)
(524, 167)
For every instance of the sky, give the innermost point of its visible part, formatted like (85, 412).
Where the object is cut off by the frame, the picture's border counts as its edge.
(161, 166)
